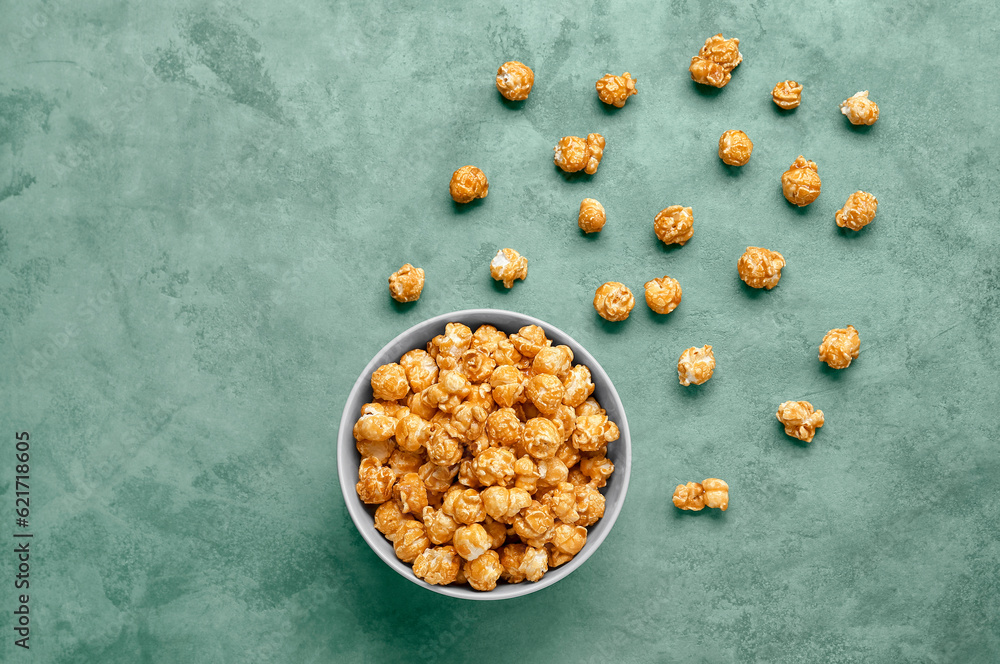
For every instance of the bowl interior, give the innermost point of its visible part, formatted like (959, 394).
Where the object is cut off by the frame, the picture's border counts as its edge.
(417, 336)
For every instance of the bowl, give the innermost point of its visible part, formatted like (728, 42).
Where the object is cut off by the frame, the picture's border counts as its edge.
(417, 336)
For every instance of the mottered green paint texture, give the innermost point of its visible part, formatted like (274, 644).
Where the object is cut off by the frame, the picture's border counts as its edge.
(200, 204)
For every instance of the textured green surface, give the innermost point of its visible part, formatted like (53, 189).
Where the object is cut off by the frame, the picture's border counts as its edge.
(200, 208)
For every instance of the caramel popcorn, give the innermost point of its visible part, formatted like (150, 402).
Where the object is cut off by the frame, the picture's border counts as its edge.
(374, 481)
(615, 90)
(389, 382)
(471, 541)
(406, 283)
(507, 266)
(715, 61)
(800, 183)
(690, 496)
(696, 365)
(514, 80)
(859, 109)
(438, 565)
(858, 211)
(839, 347)
(592, 216)
(716, 493)
(800, 420)
(410, 540)
(613, 301)
(787, 94)
(467, 184)
(760, 268)
(663, 294)
(481, 439)
(735, 148)
(674, 225)
(483, 572)
(573, 154)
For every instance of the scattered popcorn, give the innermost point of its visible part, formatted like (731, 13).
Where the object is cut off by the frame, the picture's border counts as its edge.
(715, 61)
(467, 184)
(663, 294)
(695, 497)
(735, 148)
(592, 216)
(858, 211)
(716, 493)
(800, 420)
(800, 184)
(406, 283)
(859, 109)
(787, 94)
(507, 266)
(615, 90)
(613, 301)
(514, 80)
(760, 268)
(839, 347)
(674, 225)
(696, 365)
(573, 154)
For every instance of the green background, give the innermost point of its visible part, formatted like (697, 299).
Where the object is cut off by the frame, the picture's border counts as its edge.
(201, 205)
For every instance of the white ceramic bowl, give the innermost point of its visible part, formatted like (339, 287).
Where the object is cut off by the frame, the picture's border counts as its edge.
(348, 459)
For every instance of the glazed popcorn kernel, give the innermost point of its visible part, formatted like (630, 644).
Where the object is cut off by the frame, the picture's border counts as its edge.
(615, 90)
(541, 438)
(800, 184)
(787, 94)
(507, 266)
(674, 224)
(514, 80)
(438, 565)
(573, 154)
(716, 493)
(663, 294)
(421, 369)
(389, 382)
(858, 211)
(406, 283)
(800, 419)
(471, 541)
(839, 347)
(859, 109)
(410, 540)
(613, 301)
(714, 62)
(593, 432)
(760, 268)
(483, 572)
(690, 496)
(500, 440)
(411, 494)
(696, 365)
(735, 148)
(467, 184)
(592, 216)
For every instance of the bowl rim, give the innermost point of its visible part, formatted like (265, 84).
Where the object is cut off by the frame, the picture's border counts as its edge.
(348, 476)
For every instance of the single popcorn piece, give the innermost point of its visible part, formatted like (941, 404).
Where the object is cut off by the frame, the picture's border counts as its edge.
(521, 562)
(715, 61)
(839, 347)
(514, 80)
(534, 522)
(466, 507)
(471, 541)
(440, 527)
(554, 360)
(483, 572)
(716, 493)
(859, 109)
(674, 225)
(504, 428)
(388, 518)
(508, 386)
(410, 540)
(495, 466)
(578, 386)
(421, 369)
(504, 504)
(800, 184)
(690, 496)
(800, 419)
(787, 95)
(592, 216)
(613, 301)
(449, 347)
(507, 266)
(411, 494)
(573, 154)
(438, 565)
(858, 211)
(760, 268)
(615, 90)
(663, 294)
(735, 148)
(594, 432)
(569, 539)
(467, 184)
(412, 433)
(406, 283)
(529, 340)
(375, 481)
(598, 469)
(696, 365)
(379, 449)
(546, 392)
(541, 438)
(389, 382)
